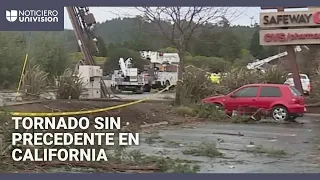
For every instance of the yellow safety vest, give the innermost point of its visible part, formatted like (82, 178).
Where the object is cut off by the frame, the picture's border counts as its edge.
(215, 78)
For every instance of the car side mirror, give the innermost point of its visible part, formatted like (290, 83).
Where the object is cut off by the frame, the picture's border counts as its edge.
(233, 96)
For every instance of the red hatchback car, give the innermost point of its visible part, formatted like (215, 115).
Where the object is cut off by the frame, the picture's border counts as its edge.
(284, 102)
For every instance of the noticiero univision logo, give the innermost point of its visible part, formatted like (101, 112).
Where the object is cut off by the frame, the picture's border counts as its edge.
(35, 16)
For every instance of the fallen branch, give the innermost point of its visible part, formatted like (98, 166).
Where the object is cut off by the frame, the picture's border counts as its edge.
(231, 134)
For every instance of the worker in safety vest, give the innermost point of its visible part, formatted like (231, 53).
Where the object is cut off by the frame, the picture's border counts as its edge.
(215, 78)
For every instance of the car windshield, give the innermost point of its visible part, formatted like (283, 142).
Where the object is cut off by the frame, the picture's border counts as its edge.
(295, 91)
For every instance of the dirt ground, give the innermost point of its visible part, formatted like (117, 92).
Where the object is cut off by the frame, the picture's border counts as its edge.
(244, 148)
(142, 113)
(214, 147)
(139, 114)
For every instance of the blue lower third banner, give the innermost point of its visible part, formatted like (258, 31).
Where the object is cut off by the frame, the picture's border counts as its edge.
(32, 18)
(161, 176)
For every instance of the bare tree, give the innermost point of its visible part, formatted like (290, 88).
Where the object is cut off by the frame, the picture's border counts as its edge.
(179, 24)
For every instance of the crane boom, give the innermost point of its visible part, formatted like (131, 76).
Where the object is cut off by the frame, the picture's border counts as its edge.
(258, 63)
(82, 22)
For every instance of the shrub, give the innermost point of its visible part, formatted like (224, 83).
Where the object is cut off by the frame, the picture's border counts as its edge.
(69, 86)
(273, 76)
(196, 85)
(34, 80)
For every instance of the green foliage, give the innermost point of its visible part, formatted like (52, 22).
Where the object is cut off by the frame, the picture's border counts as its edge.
(238, 77)
(244, 60)
(211, 47)
(212, 64)
(169, 50)
(49, 54)
(204, 149)
(211, 112)
(69, 86)
(76, 56)
(274, 76)
(102, 47)
(12, 55)
(196, 85)
(116, 53)
(184, 111)
(35, 80)
(259, 51)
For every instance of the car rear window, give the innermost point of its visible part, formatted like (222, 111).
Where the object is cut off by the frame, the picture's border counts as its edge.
(270, 92)
(295, 91)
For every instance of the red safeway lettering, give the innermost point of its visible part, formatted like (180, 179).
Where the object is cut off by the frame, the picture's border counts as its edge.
(316, 17)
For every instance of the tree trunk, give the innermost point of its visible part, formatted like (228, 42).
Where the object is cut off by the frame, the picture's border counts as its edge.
(178, 98)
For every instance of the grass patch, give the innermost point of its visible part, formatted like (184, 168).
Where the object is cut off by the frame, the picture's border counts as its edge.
(184, 111)
(270, 152)
(164, 164)
(172, 144)
(167, 97)
(152, 139)
(205, 149)
(169, 165)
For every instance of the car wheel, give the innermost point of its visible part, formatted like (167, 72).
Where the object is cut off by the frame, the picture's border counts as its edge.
(219, 106)
(280, 113)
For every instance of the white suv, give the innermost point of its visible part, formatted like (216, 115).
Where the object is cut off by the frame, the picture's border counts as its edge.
(305, 82)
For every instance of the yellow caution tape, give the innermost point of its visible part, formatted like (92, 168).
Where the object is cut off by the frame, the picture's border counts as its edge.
(42, 114)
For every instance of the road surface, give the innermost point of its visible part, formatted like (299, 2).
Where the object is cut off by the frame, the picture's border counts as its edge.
(300, 143)
(11, 98)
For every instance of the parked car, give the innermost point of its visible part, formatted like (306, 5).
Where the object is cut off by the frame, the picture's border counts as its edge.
(305, 82)
(282, 102)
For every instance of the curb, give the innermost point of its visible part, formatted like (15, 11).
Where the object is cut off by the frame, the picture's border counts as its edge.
(312, 114)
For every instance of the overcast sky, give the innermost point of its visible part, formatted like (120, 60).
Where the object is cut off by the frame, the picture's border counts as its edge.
(248, 14)
(107, 13)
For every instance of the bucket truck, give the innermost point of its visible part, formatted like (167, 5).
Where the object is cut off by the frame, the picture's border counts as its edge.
(129, 78)
(305, 81)
(257, 65)
(163, 68)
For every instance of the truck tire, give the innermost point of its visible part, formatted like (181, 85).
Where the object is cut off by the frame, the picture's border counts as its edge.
(139, 90)
(147, 88)
(167, 83)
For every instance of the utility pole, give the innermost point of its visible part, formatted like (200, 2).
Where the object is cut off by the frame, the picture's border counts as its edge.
(293, 63)
(291, 55)
(251, 18)
(81, 22)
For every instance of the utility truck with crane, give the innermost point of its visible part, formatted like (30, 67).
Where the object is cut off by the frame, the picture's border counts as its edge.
(305, 81)
(163, 68)
(161, 71)
(258, 64)
(129, 78)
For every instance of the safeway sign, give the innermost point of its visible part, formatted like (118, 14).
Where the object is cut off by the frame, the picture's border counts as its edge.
(289, 19)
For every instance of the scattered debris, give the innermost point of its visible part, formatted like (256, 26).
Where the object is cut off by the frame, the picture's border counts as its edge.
(231, 134)
(271, 152)
(204, 149)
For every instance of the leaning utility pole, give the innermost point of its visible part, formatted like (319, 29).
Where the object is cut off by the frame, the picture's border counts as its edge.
(82, 22)
(289, 48)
